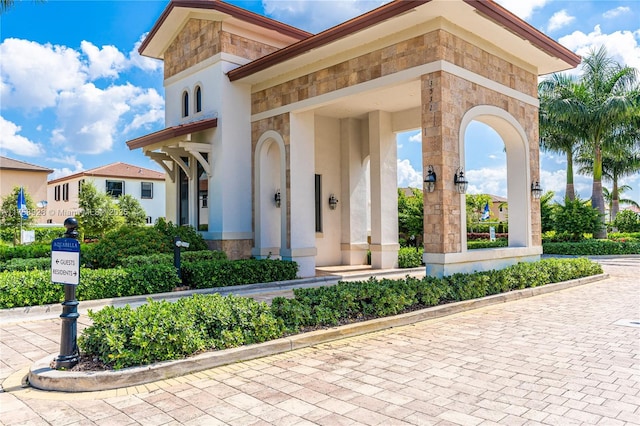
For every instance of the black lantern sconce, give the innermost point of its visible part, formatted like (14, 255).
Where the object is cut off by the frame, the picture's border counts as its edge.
(460, 182)
(276, 198)
(536, 190)
(430, 180)
(333, 202)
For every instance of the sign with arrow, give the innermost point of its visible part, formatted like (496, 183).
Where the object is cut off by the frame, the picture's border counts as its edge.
(65, 261)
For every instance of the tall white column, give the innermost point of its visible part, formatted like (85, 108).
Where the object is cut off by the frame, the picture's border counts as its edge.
(353, 240)
(301, 246)
(384, 191)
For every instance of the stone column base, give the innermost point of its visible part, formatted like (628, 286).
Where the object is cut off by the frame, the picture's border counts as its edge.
(354, 254)
(444, 264)
(266, 252)
(235, 249)
(304, 257)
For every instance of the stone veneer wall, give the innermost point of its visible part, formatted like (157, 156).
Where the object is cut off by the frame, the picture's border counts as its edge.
(445, 100)
(201, 39)
(424, 49)
(235, 249)
(280, 124)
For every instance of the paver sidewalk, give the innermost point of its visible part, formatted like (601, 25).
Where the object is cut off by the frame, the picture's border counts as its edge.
(557, 359)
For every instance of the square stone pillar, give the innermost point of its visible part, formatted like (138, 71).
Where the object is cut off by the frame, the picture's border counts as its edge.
(301, 244)
(353, 236)
(384, 191)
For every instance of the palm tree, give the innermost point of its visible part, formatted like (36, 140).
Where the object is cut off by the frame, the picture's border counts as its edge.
(605, 101)
(608, 197)
(556, 134)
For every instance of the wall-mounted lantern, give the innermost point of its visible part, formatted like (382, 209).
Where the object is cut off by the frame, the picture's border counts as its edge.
(276, 198)
(536, 190)
(430, 180)
(460, 182)
(333, 202)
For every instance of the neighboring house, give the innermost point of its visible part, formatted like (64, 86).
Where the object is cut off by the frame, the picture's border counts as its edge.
(499, 209)
(293, 133)
(145, 185)
(31, 177)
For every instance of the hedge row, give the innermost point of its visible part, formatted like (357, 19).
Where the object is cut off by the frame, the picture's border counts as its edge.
(167, 258)
(352, 301)
(34, 287)
(482, 244)
(591, 247)
(410, 257)
(19, 264)
(160, 331)
(221, 273)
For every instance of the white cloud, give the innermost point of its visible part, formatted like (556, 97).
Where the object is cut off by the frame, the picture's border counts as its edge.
(416, 137)
(17, 144)
(487, 181)
(33, 74)
(105, 62)
(316, 16)
(556, 181)
(560, 19)
(613, 13)
(623, 46)
(408, 176)
(522, 8)
(144, 63)
(66, 171)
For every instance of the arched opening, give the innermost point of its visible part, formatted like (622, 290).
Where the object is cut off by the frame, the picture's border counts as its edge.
(518, 178)
(185, 104)
(270, 197)
(198, 99)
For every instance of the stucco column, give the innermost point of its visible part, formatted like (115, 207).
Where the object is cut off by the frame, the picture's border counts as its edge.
(301, 244)
(384, 191)
(353, 236)
(440, 148)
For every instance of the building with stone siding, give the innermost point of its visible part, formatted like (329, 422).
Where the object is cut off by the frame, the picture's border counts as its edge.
(291, 137)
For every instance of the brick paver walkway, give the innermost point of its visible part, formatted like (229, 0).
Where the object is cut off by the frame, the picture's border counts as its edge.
(556, 359)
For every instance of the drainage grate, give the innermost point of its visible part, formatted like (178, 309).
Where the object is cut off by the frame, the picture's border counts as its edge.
(628, 323)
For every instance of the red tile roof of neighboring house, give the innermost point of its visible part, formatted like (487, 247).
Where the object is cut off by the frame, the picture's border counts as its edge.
(120, 170)
(11, 164)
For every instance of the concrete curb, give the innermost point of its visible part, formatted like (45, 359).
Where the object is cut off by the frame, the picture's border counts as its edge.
(41, 376)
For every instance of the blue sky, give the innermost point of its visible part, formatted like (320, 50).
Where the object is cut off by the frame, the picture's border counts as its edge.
(73, 88)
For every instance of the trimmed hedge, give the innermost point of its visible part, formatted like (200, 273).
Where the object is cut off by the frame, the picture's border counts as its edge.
(352, 301)
(32, 288)
(158, 331)
(592, 248)
(18, 264)
(222, 273)
(482, 244)
(26, 251)
(167, 258)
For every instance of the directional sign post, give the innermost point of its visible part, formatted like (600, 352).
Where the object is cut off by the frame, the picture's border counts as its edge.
(65, 269)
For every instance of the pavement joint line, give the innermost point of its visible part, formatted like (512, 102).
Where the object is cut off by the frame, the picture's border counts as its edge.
(313, 345)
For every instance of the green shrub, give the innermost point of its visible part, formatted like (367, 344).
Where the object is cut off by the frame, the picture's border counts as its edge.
(627, 221)
(577, 218)
(160, 331)
(167, 258)
(222, 273)
(592, 248)
(624, 236)
(18, 264)
(126, 241)
(30, 288)
(409, 257)
(482, 244)
(26, 251)
(186, 233)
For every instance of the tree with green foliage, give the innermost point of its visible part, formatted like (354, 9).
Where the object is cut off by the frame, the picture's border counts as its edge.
(10, 217)
(475, 208)
(576, 218)
(546, 211)
(99, 212)
(627, 221)
(603, 103)
(132, 211)
(411, 215)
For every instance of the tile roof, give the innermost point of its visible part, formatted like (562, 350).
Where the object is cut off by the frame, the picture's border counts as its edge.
(11, 164)
(121, 170)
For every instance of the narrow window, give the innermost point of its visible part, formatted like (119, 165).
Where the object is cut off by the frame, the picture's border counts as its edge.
(80, 182)
(198, 99)
(56, 193)
(185, 104)
(65, 192)
(149, 220)
(115, 188)
(146, 190)
(318, 203)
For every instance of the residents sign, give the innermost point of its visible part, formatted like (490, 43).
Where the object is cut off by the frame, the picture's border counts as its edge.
(65, 261)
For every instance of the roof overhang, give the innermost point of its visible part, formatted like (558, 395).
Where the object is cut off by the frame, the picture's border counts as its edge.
(172, 132)
(481, 20)
(178, 12)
